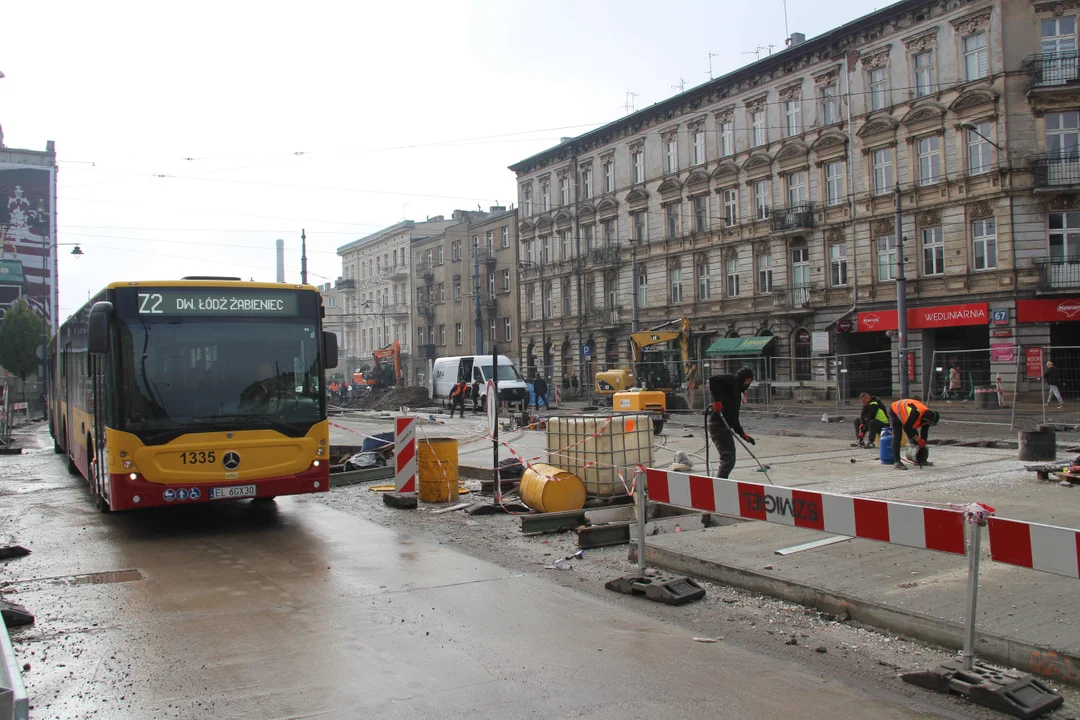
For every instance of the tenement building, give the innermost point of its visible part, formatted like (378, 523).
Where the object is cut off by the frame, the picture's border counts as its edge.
(764, 202)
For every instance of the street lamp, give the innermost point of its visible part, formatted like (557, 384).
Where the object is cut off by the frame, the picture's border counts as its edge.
(543, 315)
(968, 125)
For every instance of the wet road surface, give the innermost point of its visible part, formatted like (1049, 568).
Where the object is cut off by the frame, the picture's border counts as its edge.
(297, 610)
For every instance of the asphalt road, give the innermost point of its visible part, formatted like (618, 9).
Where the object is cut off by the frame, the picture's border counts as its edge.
(296, 609)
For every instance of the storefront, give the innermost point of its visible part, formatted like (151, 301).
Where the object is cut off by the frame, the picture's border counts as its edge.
(1060, 318)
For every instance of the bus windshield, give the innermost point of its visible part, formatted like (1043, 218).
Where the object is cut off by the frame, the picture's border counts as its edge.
(197, 374)
(506, 372)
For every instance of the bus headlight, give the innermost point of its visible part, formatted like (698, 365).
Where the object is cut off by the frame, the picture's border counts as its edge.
(316, 463)
(133, 476)
(127, 464)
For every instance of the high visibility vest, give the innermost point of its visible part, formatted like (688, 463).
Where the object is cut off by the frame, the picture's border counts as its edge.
(902, 410)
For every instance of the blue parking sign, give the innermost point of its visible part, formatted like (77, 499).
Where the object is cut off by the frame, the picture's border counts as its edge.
(586, 351)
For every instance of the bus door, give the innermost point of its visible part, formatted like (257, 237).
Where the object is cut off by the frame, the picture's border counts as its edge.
(66, 387)
(98, 403)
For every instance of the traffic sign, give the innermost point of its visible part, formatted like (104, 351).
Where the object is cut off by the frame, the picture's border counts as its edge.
(586, 351)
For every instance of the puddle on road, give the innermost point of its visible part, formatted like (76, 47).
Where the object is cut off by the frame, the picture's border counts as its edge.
(98, 578)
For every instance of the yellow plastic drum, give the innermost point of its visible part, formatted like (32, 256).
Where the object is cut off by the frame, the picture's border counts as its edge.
(437, 469)
(550, 489)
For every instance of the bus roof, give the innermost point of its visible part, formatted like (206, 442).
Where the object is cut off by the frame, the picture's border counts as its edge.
(211, 283)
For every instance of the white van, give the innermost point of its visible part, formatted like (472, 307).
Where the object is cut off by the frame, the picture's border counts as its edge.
(447, 371)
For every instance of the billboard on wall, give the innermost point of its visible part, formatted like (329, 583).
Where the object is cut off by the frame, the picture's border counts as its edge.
(27, 229)
(923, 318)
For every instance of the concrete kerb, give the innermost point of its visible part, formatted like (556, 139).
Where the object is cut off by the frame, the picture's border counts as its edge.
(14, 703)
(950, 635)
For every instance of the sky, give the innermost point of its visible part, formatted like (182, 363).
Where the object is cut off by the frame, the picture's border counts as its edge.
(191, 136)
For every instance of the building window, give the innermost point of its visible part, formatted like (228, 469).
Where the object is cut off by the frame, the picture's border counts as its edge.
(508, 330)
(641, 232)
(924, 74)
(564, 244)
(587, 233)
(1065, 236)
(442, 335)
(758, 131)
(610, 237)
(975, 61)
(609, 176)
(731, 206)
(834, 183)
(564, 190)
(979, 149)
(886, 249)
(830, 105)
(761, 199)
(727, 138)
(838, 265)
(439, 256)
(457, 333)
(491, 283)
(586, 183)
(545, 196)
(506, 281)
(765, 266)
(879, 88)
(676, 285)
(701, 214)
(671, 220)
(549, 300)
(929, 160)
(933, 251)
(506, 236)
(566, 297)
(420, 334)
(638, 161)
(455, 250)
(796, 188)
(457, 292)
(671, 154)
(643, 287)
(530, 306)
(1062, 141)
(984, 242)
(545, 250)
(526, 201)
(699, 147)
(489, 237)
(441, 292)
(703, 289)
(732, 268)
(792, 117)
(883, 171)
(1059, 50)
(491, 328)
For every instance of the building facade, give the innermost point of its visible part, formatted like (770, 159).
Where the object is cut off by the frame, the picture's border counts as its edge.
(334, 301)
(475, 258)
(764, 202)
(376, 284)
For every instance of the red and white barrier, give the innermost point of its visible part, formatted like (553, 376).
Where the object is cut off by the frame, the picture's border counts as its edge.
(1039, 547)
(405, 456)
(883, 520)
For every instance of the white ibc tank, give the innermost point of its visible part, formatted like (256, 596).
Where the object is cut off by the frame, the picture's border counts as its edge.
(592, 447)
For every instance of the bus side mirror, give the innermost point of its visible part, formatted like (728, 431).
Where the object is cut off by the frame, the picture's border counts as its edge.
(98, 333)
(330, 354)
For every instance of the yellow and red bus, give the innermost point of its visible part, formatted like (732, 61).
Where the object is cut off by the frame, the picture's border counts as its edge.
(190, 391)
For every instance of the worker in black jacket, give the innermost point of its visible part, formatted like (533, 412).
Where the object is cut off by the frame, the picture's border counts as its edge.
(870, 422)
(727, 393)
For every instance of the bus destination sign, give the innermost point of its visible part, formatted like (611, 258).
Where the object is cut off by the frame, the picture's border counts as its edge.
(204, 301)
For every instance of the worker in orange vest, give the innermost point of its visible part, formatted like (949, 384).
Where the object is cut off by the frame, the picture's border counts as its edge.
(457, 396)
(907, 416)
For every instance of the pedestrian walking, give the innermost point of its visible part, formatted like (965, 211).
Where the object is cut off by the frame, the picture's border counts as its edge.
(540, 390)
(907, 416)
(476, 395)
(955, 383)
(1053, 381)
(871, 421)
(726, 391)
(457, 397)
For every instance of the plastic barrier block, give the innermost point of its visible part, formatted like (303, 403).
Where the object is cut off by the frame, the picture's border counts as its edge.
(668, 589)
(1007, 691)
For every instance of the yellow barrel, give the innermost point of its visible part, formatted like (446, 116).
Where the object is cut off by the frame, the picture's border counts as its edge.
(550, 489)
(437, 469)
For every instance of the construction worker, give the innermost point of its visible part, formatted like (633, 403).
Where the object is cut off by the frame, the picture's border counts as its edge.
(458, 395)
(907, 416)
(475, 392)
(540, 391)
(870, 422)
(723, 415)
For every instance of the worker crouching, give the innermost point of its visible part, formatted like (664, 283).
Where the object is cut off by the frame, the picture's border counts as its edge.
(908, 416)
(727, 393)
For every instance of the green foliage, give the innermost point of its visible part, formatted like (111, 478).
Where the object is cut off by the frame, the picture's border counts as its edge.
(20, 338)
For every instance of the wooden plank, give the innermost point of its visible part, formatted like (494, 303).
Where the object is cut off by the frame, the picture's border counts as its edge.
(459, 506)
(811, 545)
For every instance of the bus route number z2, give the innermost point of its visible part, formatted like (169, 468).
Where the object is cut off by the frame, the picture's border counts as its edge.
(150, 303)
(200, 457)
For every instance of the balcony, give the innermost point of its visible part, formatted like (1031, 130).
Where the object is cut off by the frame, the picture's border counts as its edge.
(425, 271)
(399, 271)
(793, 217)
(396, 309)
(1050, 70)
(345, 284)
(1058, 273)
(606, 317)
(487, 255)
(604, 256)
(428, 351)
(795, 297)
(1055, 169)
(425, 309)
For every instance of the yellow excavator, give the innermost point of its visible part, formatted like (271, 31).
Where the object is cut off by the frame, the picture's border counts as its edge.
(661, 372)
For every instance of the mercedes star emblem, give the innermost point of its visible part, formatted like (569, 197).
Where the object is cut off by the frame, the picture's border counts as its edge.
(231, 461)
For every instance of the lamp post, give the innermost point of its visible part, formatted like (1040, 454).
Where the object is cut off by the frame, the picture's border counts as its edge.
(543, 315)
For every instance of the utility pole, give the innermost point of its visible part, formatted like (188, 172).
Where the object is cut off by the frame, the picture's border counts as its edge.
(479, 323)
(901, 296)
(303, 257)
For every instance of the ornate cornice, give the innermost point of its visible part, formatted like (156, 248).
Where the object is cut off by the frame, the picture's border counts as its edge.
(755, 103)
(791, 91)
(921, 42)
(876, 58)
(669, 131)
(828, 77)
(973, 23)
(697, 123)
(1058, 7)
(724, 114)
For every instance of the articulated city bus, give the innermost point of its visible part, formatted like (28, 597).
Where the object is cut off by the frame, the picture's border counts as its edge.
(179, 392)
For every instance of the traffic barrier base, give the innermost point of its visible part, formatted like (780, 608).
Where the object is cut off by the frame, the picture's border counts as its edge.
(668, 589)
(1007, 691)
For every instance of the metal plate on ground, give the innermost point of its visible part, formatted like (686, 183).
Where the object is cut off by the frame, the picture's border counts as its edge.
(668, 589)
(1013, 693)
